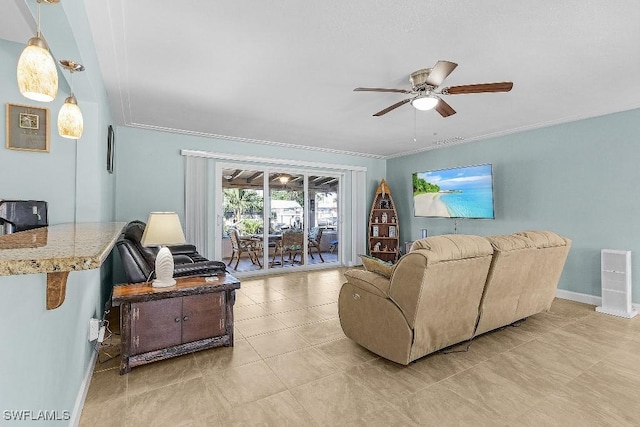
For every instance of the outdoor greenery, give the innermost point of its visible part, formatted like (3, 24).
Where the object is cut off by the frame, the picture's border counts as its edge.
(250, 226)
(237, 202)
(298, 196)
(420, 186)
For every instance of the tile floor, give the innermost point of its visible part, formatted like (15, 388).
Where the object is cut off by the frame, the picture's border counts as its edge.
(245, 263)
(292, 365)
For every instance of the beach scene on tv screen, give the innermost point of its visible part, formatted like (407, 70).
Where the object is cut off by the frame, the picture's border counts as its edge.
(465, 192)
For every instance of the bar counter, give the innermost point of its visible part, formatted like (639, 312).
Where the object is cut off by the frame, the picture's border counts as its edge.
(57, 250)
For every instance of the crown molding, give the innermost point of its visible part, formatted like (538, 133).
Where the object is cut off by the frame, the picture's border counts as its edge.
(253, 141)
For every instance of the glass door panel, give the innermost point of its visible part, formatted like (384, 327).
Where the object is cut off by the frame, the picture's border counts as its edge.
(287, 225)
(323, 219)
(243, 222)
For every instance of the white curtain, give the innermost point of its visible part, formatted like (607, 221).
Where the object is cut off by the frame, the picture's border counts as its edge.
(359, 223)
(196, 192)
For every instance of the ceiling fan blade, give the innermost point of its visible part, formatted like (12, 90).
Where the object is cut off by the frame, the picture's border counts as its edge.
(479, 88)
(444, 109)
(379, 89)
(440, 72)
(392, 107)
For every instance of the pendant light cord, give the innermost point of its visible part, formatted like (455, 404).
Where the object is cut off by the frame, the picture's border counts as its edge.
(38, 32)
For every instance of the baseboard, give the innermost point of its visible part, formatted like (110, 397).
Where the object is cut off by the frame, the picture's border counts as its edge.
(82, 392)
(584, 298)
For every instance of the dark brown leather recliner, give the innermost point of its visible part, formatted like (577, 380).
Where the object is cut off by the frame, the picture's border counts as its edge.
(139, 261)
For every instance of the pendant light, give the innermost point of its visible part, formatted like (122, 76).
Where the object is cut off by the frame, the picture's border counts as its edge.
(37, 73)
(70, 124)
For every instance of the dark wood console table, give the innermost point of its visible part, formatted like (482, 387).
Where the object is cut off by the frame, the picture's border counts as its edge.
(159, 323)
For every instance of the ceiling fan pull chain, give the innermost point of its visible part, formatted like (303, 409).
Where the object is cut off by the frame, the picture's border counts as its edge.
(415, 125)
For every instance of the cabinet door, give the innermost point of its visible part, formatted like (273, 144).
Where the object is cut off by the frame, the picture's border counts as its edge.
(155, 324)
(203, 316)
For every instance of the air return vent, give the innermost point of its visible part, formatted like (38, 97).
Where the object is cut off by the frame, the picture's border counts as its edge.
(449, 141)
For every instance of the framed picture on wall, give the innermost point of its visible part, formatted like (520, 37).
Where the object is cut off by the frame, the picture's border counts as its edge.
(27, 128)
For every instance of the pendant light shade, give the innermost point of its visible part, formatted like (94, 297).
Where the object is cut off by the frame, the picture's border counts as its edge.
(70, 124)
(37, 73)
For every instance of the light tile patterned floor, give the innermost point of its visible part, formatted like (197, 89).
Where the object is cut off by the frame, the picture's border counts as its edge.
(292, 365)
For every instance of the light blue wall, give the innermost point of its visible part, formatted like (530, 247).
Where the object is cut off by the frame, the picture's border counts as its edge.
(45, 353)
(150, 170)
(578, 179)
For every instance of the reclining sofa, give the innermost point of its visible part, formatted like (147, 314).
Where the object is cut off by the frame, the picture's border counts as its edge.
(450, 288)
(139, 261)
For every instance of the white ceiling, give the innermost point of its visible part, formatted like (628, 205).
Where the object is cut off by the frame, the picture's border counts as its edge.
(283, 72)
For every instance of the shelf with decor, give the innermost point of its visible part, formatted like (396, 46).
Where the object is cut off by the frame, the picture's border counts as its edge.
(384, 232)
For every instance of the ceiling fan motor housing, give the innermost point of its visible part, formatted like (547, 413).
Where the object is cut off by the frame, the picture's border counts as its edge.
(418, 79)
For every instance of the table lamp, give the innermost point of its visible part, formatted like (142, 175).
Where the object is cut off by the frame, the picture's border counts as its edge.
(163, 228)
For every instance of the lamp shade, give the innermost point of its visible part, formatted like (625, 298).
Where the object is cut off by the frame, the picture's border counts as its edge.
(425, 103)
(163, 228)
(37, 73)
(70, 124)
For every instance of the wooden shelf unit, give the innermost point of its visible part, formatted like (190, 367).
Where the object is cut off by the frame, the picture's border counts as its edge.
(384, 230)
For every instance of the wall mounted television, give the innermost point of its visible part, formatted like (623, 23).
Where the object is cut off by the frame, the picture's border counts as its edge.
(462, 192)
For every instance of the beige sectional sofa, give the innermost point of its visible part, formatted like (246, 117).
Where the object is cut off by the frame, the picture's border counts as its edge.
(450, 288)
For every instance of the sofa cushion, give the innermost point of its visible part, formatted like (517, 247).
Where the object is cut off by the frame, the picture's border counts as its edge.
(513, 256)
(510, 242)
(369, 281)
(453, 247)
(378, 266)
(544, 239)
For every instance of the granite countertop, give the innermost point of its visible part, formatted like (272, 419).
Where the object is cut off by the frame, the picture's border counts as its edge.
(57, 248)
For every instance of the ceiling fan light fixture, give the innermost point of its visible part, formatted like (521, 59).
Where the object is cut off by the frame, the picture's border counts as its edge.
(425, 103)
(284, 179)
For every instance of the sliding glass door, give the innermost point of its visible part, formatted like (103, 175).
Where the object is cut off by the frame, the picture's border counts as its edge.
(295, 226)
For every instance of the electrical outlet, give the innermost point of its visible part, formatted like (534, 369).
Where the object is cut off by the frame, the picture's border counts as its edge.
(94, 329)
(101, 333)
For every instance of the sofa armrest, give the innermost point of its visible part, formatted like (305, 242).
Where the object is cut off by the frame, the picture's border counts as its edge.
(182, 259)
(368, 281)
(186, 249)
(203, 268)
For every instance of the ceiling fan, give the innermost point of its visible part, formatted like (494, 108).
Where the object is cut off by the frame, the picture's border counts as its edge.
(426, 93)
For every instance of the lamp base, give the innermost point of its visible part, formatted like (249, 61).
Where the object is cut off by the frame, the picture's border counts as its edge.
(164, 269)
(163, 283)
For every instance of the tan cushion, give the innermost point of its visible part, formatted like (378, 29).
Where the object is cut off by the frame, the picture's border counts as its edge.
(510, 242)
(376, 265)
(513, 256)
(369, 281)
(453, 247)
(544, 239)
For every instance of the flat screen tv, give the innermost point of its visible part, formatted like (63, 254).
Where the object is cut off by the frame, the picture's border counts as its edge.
(465, 192)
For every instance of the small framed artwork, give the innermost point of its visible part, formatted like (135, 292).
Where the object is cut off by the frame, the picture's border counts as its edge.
(392, 231)
(110, 148)
(27, 128)
(376, 231)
